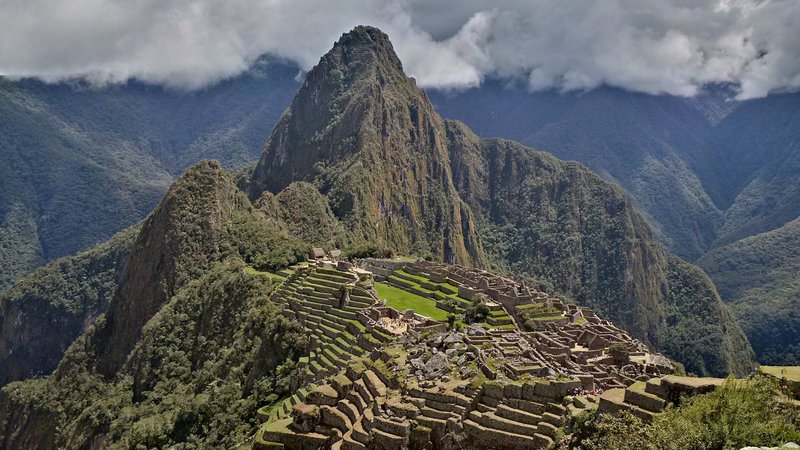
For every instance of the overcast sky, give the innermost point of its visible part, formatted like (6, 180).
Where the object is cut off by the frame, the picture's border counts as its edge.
(653, 46)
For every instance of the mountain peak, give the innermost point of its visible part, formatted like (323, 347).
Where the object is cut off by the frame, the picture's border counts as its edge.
(356, 95)
(364, 35)
(362, 46)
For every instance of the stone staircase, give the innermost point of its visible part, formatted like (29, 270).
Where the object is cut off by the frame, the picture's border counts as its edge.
(510, 416)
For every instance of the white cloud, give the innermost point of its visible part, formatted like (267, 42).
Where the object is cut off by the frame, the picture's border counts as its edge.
(653, 46)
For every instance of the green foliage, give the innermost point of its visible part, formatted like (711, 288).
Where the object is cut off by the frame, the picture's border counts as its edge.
(477, 311)
(758, 277)
(737, 414)
(701, 332)
(309, 217)
(71, 292)
(609, 432)
(451, 321)
(82, 163)
(368, 250)
(618, 347)
(263, 245)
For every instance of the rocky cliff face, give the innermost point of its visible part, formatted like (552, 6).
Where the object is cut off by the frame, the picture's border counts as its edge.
(559, 222)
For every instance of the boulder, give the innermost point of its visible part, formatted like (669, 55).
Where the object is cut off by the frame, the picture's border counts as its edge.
(305, 417)
(437, 365)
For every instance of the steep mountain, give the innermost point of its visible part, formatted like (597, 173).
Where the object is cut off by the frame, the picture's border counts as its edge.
(369, 139)
(186, 329)
(758, 275)
(395, 173)
(183, 343)
(557, 222)
(82, 163)
(132, 275)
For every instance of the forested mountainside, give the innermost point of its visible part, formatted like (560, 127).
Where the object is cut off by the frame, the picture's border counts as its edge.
(639, 141)
(758, 275)
(187, 331)
(187, 344)
(399, 176)
(83, 163)
(80, 163)
(45, 311)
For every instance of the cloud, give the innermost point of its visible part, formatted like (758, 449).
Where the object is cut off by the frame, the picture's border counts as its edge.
(652, 46)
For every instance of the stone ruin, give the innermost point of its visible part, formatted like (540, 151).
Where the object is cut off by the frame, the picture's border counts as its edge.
(383, 379)
(397, 323)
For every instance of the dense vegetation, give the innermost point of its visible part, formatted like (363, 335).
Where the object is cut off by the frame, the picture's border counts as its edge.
(559, 224)
(697, 321)
(308, 212)
(82, 163)
(705, 170)
(759, 277)
(190, 344)
(214, 354)
(738, 414)
(45, 311)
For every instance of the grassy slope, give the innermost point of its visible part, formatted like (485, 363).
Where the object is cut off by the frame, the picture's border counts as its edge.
(788, 372)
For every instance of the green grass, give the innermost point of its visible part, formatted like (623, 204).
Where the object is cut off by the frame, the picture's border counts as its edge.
(508, 326)
(251, 271)
(788, 372)
(402, 300)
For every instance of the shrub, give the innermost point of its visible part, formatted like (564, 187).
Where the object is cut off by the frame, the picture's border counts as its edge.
(368, 250)
(477, 311)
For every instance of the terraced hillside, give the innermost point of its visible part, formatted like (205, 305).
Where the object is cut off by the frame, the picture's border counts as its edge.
(326, 301)
(378, 377)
